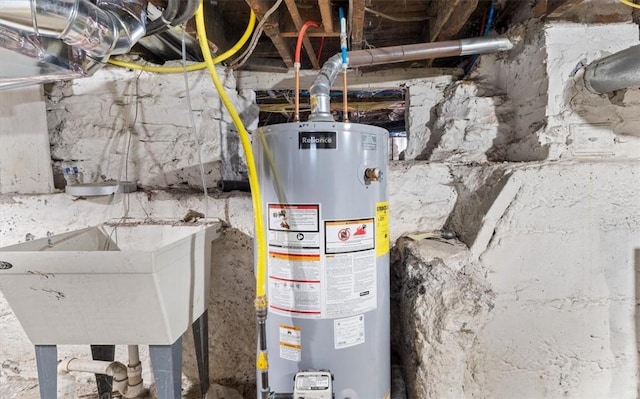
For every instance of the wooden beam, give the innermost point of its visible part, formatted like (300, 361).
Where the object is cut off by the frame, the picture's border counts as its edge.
(272, 29)
(450, 17)
(458, 19)
(297, 20)
(327, 18)
(557, 8)
(540, 8)
(554, 8)
(357, 25)
(311, 34)
(398, 77)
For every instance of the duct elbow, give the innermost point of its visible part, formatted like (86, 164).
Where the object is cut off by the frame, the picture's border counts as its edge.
(129, 18)
(321, 89)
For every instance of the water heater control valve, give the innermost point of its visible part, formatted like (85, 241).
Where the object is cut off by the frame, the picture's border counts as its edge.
(313, 384)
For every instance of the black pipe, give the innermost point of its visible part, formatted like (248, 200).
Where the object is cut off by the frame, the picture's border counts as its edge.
(166, 19)
(231, 185)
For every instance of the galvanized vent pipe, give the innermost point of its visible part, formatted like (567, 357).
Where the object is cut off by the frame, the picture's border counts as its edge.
(320, 107)
(102, 29)
(615, 72)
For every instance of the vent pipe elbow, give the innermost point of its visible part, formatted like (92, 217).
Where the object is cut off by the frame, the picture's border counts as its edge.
(321, 88)
(615, 72)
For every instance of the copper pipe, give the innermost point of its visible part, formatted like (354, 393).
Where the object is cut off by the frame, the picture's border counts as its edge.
(345, 117)
(296, 116)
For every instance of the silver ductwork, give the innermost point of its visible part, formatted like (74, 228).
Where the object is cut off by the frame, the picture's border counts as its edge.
(320, 90)
(66, 38)
(615, 72)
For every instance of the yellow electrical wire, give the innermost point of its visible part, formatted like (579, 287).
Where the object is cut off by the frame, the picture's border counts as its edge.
(630, 4)
(261, 268)
(197, 66)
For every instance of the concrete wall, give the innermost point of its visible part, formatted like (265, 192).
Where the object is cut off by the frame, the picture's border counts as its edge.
(548, 245)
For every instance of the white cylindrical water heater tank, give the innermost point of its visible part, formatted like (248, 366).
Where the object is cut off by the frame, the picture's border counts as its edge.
(324, 188)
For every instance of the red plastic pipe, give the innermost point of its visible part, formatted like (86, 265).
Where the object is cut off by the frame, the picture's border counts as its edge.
(303, 30)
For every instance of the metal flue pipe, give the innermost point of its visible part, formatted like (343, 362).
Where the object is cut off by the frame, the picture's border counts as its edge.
(615, 72)
(102, 29)
(320, 107)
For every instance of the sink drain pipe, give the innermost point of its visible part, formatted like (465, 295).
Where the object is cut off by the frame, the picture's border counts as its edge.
(126, 379)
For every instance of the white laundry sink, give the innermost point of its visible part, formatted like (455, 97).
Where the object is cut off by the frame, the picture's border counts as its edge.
(128, 283)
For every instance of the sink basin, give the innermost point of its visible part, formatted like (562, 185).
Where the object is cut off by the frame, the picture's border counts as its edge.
(114, 284)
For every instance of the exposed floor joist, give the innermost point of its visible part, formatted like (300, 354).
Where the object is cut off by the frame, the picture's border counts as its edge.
(397, 77)
(450, 17)
(553, 8)
(311, 34)
(297, 20)
(325, 11)
(457, 20)
(272, 29)
(357, 24)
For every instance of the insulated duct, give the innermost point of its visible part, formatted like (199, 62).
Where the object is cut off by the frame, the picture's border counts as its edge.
(320, 107)
(615, 72)
(91, 33)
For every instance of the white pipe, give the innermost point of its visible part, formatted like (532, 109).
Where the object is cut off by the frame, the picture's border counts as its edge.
(117, 370)
(113, 369)
(135, 384)
(134, 355)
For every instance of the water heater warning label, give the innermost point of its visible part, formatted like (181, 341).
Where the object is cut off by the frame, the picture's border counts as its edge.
(295, 261)
(348, 332)
(382, 228)
(350, 281)
(294, 217)
(290, 343)
(345, 236)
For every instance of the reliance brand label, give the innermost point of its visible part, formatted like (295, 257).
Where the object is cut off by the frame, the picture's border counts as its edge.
(317, 140)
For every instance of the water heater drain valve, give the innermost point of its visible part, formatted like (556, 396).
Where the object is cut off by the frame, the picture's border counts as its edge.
(313, 384)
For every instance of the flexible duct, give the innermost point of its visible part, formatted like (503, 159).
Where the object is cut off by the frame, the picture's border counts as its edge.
(615, 72)
(102, 29)
(320, 107)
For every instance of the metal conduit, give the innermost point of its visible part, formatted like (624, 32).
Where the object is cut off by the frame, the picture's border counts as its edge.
(320, 106)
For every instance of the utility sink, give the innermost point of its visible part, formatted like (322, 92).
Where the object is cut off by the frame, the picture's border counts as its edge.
(121, 283)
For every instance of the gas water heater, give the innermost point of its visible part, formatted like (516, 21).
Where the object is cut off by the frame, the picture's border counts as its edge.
(324, 187)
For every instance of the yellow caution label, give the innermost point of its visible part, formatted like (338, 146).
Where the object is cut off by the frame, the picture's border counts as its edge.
(382, 228)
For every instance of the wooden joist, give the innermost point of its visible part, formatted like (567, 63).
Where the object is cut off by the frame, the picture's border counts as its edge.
(272, 30)
(311, 34)
(553, 8)
(450, 17)
(327, 18)
(357, 24)
(297, 20)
